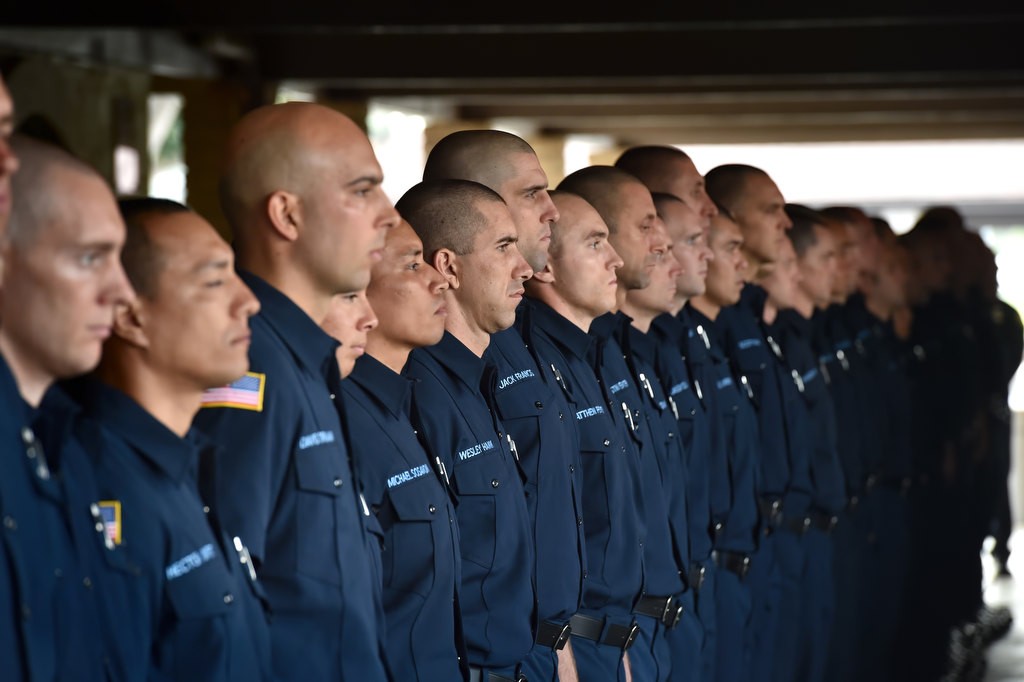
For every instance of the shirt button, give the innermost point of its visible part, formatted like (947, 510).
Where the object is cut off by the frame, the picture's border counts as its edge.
(561, 416)
(26, 612)
(337, 482)
(607, 442)
(579, 521)
(10, 523)
(431, 509)
(539, 405)
(87, 581)
(572, 468)
(332, 396)
(495, 483)
(228, 598)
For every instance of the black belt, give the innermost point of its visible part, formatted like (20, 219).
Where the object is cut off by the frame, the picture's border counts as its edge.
(823, 522)
(619, 636)
(695, 578)
(796, 524)
(664, 609)
(553, 635)
(732, 561)
(478, 675)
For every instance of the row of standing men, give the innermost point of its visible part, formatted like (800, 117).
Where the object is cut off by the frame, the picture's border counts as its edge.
(622, 430)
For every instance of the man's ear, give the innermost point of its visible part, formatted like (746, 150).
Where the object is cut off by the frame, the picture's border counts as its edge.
(447, 263)
(130, 323)
(545, 275)
(284, 210)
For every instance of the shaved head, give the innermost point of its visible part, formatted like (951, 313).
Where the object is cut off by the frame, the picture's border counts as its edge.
(446, 213)
(653, 165)
(602, 187)
(477, 155)
(302, 190)
(42, 167)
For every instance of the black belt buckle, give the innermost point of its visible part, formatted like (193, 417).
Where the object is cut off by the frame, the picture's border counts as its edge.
(696, 577)
(621, 636)
(673, 614)
(799, 525)
(733, 561)
(554, 635)
(634, 630)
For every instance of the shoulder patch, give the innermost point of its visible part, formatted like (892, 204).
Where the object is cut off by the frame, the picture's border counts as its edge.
(245, 393)
(110, 511)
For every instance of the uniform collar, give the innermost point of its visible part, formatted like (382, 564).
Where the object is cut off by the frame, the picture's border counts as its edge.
(392, 391)
(641, 345)
(610, 325)
(176, 457)
(672, 329)
(791, 319)
(12, 395)
(310, 344)
(753, 298)
(560, 329)
(458, 359)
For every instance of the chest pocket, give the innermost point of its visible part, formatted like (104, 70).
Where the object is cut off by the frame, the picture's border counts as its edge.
(320, 483)
(202, 601)
(477, 482)
(409, 541)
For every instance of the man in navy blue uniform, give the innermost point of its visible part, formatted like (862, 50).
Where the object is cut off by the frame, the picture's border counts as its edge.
(755, 203)
(528, 400)
(469, 237)
(61, 282)
(196, 608)
(302, 192)
(577, 285)
(734, 450)
(816, 258)
(782, 284)
(643, 306)
(637, 235)
(405, 489)
(687, 230)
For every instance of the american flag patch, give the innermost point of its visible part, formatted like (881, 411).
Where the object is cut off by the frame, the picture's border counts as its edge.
(110, 511)
(245, 393)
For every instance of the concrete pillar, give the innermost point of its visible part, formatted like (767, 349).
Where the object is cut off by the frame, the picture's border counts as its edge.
(90, 111)
(211, 109)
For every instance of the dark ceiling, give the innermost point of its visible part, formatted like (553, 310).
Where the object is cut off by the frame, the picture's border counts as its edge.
(638, 72)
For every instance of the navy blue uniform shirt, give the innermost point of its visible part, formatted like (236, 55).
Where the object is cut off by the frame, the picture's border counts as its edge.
(283, 482)
(670, 336)
(675, 477)
(661, 573)
(198, 609)
(456, 424)
(756, 365)
(734, 432)
(540, 421)
(407, 493)
(51, 625)
(829, 488)
(834, 344)
(612, 495)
